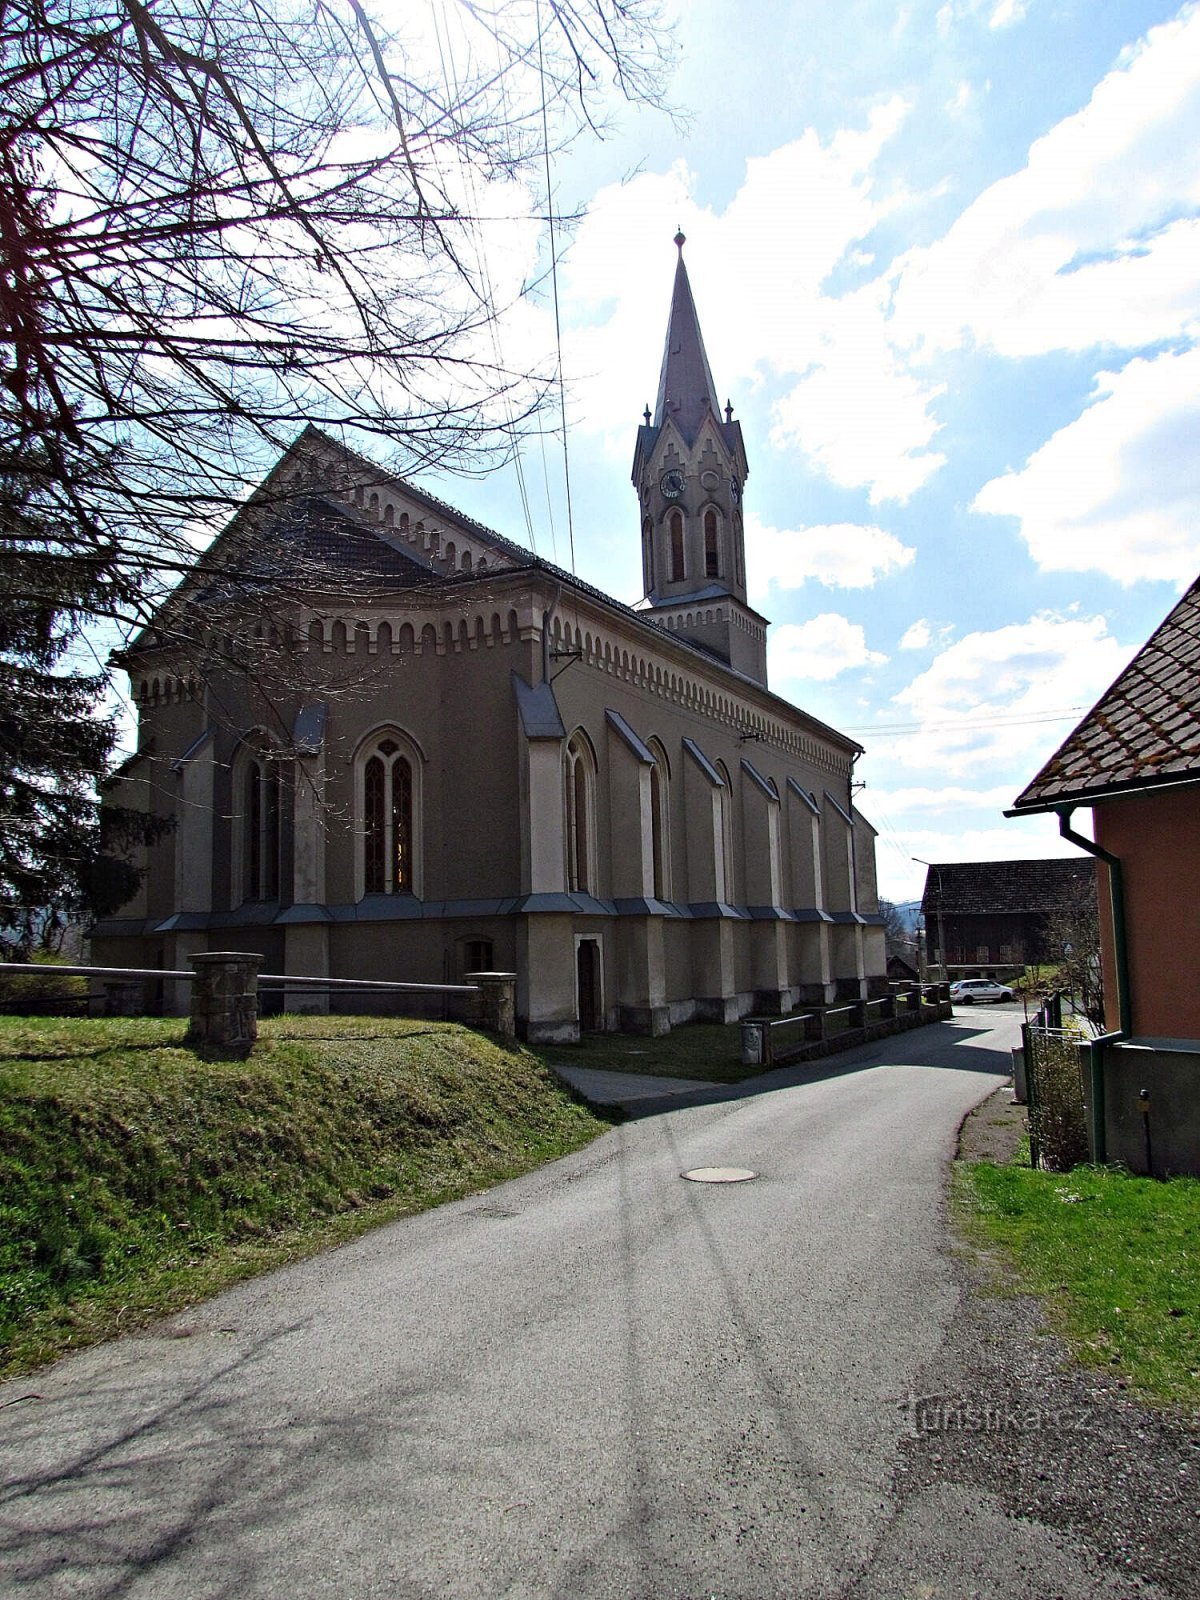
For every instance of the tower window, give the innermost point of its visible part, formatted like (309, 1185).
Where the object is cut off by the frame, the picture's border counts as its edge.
(675, 525)
(712, 557)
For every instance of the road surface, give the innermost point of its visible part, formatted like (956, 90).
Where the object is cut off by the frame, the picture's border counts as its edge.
(598, 1380)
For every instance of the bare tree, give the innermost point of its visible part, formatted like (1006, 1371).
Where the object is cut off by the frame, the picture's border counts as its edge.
(223, 219)
(1071, 941)
(895, 931)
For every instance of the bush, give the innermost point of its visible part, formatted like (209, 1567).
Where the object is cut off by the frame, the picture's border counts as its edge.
(1057, 1122)
(30, 994)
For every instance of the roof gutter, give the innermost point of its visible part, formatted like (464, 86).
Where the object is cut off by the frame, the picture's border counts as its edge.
(1096, 1047)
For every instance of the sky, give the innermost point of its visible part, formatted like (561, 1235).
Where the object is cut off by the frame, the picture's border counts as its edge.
(946, 258)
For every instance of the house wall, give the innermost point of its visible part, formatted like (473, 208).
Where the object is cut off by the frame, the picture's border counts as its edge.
(1160, 1135)
(1157, 840)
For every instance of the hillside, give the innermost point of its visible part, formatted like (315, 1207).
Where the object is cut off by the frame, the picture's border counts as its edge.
(136, 1176)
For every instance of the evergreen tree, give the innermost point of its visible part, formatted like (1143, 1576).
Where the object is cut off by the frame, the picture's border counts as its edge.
(56, 861)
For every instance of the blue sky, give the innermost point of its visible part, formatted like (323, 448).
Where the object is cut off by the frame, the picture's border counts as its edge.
(947, 263)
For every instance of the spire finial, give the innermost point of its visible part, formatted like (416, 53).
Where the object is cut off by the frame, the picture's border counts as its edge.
(680, 238)
(729, 411)
(646, 414)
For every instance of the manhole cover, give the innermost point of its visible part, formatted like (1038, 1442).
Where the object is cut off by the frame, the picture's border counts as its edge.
(719, 1175)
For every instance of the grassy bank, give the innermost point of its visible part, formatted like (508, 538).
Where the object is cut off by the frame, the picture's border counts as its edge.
(708, 1052)
(136, 1176)
(1116, 1257)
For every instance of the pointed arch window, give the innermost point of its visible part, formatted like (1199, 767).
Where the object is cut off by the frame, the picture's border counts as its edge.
(712, 549)
(389, 812)
(675, 530)
(660, 835)
(648, 554)
(256, 821)
(580, 794)
(725, 878)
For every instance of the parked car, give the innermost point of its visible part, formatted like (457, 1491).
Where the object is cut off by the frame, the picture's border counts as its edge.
(969, 991)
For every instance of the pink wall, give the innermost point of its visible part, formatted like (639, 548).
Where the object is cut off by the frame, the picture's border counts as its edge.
(1157, 839)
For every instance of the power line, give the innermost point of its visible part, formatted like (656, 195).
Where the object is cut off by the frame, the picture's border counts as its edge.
(902, 728)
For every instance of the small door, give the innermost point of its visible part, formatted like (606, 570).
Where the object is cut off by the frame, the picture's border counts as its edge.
(587, 978)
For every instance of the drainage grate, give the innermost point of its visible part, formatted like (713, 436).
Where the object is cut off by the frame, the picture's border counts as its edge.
(719, 1175)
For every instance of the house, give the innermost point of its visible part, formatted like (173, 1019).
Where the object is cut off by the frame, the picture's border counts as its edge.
(901, 970)
(1134, 762)
(990, 917)
(397, 745)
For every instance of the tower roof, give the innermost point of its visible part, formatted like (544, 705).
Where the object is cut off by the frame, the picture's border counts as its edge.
(686, 391)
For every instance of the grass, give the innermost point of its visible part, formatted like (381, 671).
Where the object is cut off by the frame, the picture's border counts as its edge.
(1116, 1257)
(709, 1052)
(137, 1176)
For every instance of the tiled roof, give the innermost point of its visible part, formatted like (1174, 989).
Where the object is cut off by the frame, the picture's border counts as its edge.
(985, 887)
(1143, 731)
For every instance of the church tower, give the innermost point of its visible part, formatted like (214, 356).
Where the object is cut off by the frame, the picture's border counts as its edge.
(689, 469)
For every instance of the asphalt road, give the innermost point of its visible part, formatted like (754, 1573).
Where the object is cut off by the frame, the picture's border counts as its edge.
(597, 1380)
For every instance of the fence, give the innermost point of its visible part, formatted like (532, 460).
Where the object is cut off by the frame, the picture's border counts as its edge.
(1054, 1090)
(775, 1041)
(225, 989)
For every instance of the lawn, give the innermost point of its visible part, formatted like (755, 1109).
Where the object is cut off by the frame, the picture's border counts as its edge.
(137, 1176)
(709, 1052)
(1116, 1257)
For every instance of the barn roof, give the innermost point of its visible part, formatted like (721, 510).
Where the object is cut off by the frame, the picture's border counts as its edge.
(980, 888)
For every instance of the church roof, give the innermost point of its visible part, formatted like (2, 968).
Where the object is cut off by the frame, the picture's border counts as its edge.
(686, 391)
(1143, 732)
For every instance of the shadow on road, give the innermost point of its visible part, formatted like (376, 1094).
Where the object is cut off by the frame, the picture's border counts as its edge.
(940, 1045)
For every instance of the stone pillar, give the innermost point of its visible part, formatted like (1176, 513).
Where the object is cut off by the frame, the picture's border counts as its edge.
(756, 1044)
(497, 1002)
(224, 1010)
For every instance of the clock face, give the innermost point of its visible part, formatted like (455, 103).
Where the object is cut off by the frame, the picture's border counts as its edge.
(671, 483)
(735, 488)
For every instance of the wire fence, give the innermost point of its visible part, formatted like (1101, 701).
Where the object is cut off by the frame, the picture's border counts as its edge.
(1058, 1137)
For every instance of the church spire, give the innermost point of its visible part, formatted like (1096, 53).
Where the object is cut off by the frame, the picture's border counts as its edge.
(688, 469)
(686, 391)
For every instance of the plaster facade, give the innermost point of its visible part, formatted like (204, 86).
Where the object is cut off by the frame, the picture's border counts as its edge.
(398, 746)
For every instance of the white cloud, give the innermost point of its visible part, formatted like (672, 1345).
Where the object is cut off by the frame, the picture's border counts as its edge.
(948, 797)
(858, 413)
(842, 555)
(1087, 244)
(1118, 489)
(1004, 698)
(818, 650)
(1006, 13)
(917, 635)
(849, 403)
(1018, 839)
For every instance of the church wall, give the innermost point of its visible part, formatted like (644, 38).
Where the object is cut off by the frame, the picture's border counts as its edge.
(450, 691)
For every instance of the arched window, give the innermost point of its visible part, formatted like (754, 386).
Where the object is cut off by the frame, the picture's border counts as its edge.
(648, 554)
(675, 528)
(660, 824)
(580, 785)
(712, 554)
(725, 880)
(256, 833)
(388, 775)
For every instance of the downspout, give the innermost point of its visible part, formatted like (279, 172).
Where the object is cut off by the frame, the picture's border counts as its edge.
(1096, 1047)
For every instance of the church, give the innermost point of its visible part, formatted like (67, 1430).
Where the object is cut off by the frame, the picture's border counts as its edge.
(396, 745)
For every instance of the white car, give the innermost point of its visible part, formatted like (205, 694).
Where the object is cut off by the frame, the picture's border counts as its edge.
(969, 991)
